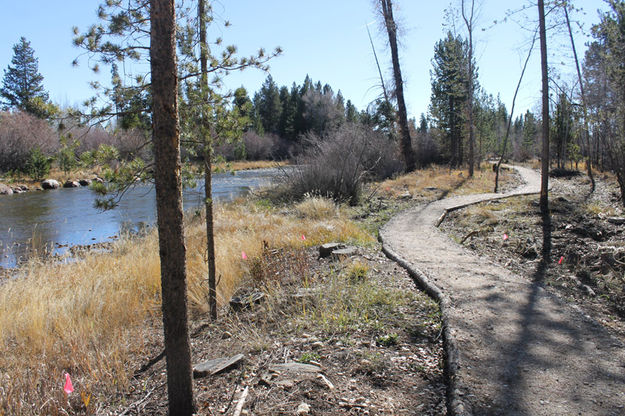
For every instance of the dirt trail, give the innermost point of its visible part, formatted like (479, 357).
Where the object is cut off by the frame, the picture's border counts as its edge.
(514, 348)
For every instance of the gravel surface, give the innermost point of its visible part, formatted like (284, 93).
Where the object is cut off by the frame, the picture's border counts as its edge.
(521, 350)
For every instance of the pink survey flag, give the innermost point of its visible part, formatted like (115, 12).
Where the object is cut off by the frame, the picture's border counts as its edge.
(561, 260)
(303, 237)
(505, 237)
(243, 255)
(68, 384)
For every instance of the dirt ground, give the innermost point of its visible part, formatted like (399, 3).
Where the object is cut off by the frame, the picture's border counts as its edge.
(587, 248)
(375, 340)
(517, 349)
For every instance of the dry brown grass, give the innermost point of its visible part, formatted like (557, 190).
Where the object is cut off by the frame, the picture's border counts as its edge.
(437, 179)
(315, 207)
(84, 317)
(248, 164)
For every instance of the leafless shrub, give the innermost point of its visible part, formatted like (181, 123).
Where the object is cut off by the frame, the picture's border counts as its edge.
(426, 149)
(336, 166)
(231, 150)
(132, 143)
(259, 147)
(90, 138)
(20, 133)
(129, 143)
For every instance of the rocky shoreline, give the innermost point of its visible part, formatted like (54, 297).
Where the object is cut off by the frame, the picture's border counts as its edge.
(48, 184)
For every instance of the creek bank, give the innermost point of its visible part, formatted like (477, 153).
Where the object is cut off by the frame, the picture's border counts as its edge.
(47, 184)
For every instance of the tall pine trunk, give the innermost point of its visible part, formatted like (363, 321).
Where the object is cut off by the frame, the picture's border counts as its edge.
(167, 173)
(208, 165)
(405, 141)
(544, 185)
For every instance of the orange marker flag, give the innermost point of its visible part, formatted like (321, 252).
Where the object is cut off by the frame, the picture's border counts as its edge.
(68, 384)
(243, 255)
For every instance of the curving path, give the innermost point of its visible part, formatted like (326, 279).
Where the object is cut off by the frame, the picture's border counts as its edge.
(513, 349)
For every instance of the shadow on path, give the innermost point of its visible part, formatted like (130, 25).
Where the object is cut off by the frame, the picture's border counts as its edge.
(517, 350)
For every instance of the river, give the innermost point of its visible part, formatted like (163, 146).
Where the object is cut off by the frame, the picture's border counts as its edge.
(63, 218)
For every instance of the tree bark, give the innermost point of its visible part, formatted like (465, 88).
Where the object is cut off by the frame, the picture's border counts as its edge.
(405, 141)
(210, 232)
(544, 185)
(208, 165)
(166, 140)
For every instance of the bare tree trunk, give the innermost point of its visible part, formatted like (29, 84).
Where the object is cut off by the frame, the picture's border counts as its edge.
(208, 165)
(544, 186)
(210, 232)
(377, 63)
(469, 24)
(516, 92)
(405, 141)
(584, 107)
(166, 140)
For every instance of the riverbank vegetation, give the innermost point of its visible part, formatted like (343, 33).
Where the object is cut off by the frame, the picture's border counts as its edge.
(84, 317)
(97, 317)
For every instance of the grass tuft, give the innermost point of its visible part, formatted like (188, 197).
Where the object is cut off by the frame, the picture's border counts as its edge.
(316, 208)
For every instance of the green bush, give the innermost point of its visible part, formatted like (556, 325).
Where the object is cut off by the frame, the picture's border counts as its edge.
(38, 164)
(87, 159)
(67, 155)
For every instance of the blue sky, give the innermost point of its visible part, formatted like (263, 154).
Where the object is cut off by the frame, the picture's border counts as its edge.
(325, 39)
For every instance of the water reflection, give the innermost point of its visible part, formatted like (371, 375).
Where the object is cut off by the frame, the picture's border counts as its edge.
(66, 217)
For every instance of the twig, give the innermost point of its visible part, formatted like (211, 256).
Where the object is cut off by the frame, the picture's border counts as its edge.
(239, 409)
(471, 234)
(150, 363)
(139, 402)
(234, 391)
(326, 381)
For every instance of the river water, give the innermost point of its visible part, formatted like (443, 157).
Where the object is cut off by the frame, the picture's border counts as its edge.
(62, 218)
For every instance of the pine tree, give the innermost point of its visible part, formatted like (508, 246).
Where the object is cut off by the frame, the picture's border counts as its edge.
(351, 113)
(562, 129)
(244, 107)
(301, 123)
(288, 104)
(449, 93)
(23, 84)
(268, 106)
(530, 133)
(166, 139)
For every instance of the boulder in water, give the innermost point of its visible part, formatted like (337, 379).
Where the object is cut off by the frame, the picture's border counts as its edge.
(5, 190)
(50, 184)
(71, 184)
